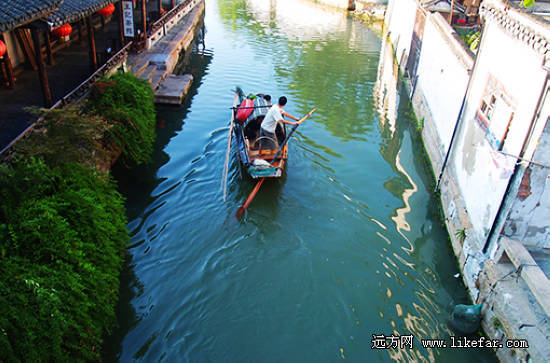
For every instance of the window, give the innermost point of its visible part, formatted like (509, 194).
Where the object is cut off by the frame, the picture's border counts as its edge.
(495, 113)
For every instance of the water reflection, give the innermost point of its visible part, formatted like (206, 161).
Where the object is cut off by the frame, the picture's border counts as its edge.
(324, 60)
(343, 247)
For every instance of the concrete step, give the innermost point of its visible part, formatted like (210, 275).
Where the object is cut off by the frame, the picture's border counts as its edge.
(173, 89)
(148, 73)
(159, 76)
(139, 67)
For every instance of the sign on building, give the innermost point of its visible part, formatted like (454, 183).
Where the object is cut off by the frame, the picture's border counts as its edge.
(128, 18)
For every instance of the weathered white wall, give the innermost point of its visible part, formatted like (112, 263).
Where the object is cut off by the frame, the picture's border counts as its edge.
(527, 220)
(483, 175)
(400, 17)
(385, 91)
(442, 77)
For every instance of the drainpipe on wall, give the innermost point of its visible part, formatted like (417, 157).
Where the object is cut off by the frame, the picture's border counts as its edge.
(460, 112)
(515, 179)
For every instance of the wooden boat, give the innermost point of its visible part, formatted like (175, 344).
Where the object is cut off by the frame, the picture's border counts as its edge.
(247, 115)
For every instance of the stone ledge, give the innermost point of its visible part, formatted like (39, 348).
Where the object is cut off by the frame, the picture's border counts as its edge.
(511, 312)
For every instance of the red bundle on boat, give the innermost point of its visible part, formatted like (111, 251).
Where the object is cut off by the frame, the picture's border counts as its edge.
(243, 113)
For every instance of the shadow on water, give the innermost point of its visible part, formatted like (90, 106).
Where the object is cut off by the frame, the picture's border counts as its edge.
(137, 184)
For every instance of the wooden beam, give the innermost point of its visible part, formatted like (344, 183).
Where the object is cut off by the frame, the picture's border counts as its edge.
(173, 4)
(26, 46)
(91, 42)
(144, 18)
(81, 31)
(120, 24)
(42, 76)
(49, 48)
(529, 271)
(4, 72)
(9, 65)
(451, 13)
(160, 8)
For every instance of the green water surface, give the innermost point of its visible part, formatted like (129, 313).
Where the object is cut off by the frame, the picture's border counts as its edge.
(349, 243)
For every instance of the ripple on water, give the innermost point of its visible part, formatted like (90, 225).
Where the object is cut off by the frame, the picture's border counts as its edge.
(335, 251)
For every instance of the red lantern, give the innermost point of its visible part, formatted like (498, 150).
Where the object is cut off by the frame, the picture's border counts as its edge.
(106, 11)
(63, 30)
(2, 48)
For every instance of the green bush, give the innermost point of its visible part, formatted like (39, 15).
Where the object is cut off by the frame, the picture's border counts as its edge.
(470, 36)
(127, 102)
(63, 235)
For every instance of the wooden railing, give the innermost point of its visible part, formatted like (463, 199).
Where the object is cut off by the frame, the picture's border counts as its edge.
(168, 20)
(78, 93)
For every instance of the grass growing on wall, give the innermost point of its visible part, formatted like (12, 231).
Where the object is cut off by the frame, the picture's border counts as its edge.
(127, 103)
(65, 135)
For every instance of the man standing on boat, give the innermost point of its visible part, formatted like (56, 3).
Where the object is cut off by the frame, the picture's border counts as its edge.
(269, 124)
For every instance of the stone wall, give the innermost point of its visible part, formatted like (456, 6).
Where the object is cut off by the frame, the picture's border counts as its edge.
(490, 117)
(443, 73)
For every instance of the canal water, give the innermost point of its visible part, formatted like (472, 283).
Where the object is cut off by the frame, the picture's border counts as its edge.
(347, 245)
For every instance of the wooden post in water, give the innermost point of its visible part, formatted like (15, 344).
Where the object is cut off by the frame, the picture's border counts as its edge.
(120, 24)
(43, 77)
(9, 65)
(49, 48)
(91, 41)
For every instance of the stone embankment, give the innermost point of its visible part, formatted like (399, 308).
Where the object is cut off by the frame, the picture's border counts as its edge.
(171, 36)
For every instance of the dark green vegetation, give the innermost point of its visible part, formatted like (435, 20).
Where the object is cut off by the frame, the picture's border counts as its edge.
(127, 102)
(470, 36)
(63, 225)
(63, 235)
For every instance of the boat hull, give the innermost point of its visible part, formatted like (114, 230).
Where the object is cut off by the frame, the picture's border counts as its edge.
(257, 162)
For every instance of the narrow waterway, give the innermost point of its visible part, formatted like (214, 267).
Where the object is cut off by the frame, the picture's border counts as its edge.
(347, 244)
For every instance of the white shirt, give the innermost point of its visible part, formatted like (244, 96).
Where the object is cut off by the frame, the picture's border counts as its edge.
(273, 116)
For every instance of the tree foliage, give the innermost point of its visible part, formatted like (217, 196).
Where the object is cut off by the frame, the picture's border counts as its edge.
(127, 103)
(62, 235)
(63, 225)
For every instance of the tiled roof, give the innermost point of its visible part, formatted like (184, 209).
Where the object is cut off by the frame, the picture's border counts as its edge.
(14, 13)
(74, 10)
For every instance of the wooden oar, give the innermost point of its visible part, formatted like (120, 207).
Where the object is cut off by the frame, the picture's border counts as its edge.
(254, 191)
(290, 134)
(226, 165)
(248, 200)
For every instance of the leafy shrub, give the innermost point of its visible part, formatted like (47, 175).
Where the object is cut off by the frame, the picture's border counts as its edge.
(470, 36)
(127, 102)
(62, 239)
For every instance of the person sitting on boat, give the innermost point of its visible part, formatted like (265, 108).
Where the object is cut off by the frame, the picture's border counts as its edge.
(268, 139)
